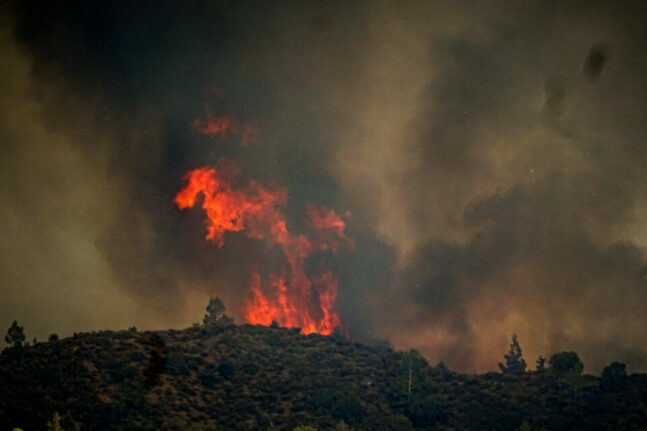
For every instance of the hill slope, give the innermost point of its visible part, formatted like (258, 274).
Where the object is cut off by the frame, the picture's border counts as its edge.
(252, 377)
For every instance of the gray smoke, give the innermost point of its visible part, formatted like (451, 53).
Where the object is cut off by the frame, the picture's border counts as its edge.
(491, 157)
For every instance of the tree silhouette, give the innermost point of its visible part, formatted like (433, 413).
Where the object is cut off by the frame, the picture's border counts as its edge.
(15, 335)
(216, 313)
(541, 363)
(613, 377)
(566, 362)
(514, 361)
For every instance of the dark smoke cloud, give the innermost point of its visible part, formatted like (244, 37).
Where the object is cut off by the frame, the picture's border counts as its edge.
(595, 61)
(519, 211)
(493, 188)
(533, 257)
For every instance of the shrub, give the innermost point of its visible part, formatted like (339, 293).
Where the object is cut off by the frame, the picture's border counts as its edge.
(176, 363)
(226, 370)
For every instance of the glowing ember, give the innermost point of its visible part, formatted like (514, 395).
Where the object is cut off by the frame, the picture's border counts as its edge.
(299, 300)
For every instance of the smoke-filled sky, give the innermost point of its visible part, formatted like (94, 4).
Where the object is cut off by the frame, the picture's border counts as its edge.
(489, 155)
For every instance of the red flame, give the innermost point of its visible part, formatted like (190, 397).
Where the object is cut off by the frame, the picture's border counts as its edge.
(253, 209)
(215, 125)
(328, 226)
(221, 125)
(299, 299)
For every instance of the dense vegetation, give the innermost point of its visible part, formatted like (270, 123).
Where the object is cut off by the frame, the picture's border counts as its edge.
(219, 376)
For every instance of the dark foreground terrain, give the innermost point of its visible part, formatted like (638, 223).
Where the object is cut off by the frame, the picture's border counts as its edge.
(227, 377)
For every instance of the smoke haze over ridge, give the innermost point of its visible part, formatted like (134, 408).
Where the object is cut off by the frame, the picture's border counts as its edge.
(491, 158)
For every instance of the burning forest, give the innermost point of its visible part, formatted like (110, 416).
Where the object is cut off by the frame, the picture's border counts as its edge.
(382, 193)
(157, 154)
(291, 296)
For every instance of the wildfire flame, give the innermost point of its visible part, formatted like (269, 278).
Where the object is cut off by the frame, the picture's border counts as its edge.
(297, 299)
(221, 125)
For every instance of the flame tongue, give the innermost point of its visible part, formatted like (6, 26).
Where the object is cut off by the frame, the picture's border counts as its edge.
(231, 210)
(300, 300)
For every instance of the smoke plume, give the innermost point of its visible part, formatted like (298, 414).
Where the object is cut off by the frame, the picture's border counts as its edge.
(490, 157)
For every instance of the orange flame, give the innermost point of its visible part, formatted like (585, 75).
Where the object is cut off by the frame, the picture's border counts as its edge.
(228, 209)
(301, 300)
(215, 125)
(221, 125)
(328, 226)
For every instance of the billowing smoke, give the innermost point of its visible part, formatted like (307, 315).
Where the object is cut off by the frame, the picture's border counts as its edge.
(490, 157)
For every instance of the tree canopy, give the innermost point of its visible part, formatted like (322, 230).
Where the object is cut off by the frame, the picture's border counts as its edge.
(566, 362)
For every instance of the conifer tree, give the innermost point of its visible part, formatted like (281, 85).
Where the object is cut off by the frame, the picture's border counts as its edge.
(514, 361)
(15, 335)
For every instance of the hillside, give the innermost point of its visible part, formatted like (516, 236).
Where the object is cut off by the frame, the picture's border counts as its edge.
(229, 377)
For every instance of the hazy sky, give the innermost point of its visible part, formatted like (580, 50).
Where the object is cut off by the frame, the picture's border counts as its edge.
(491, 156)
